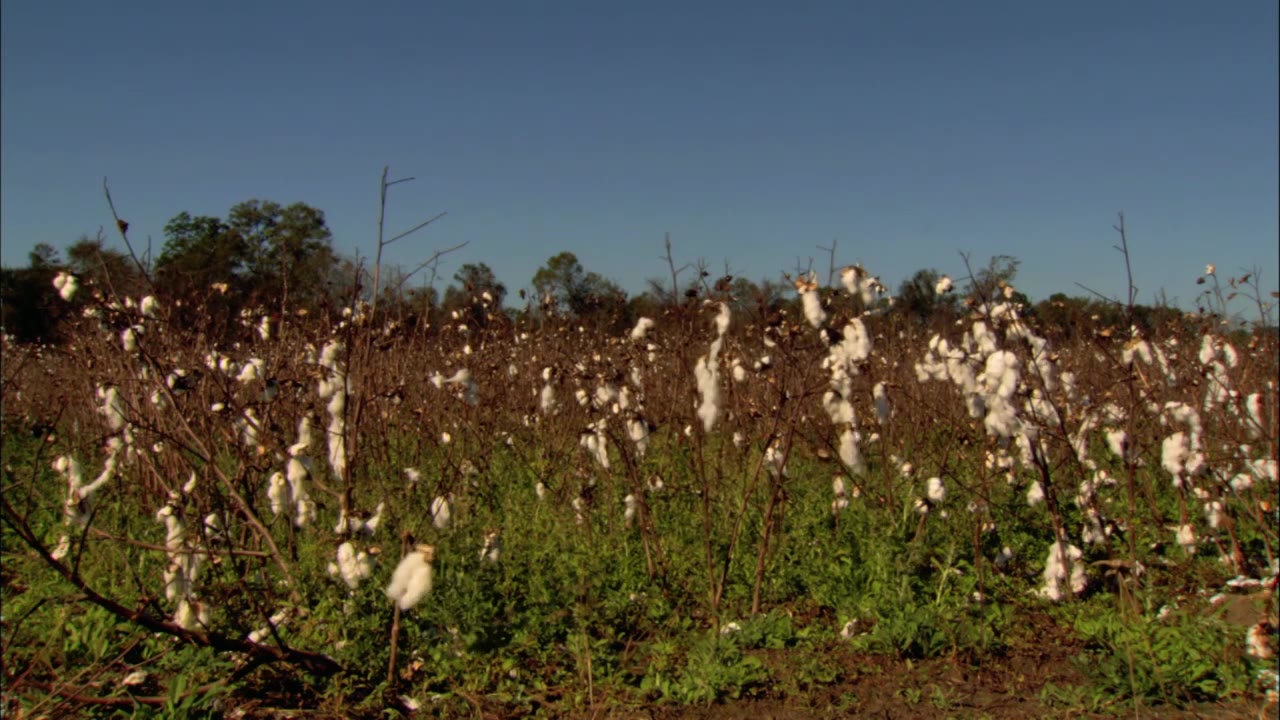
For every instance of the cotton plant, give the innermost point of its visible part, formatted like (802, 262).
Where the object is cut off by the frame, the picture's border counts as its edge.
(707, 373)
(807, 287)
(185, 561)
(861, 284)
(842, 361)
(1064, 572)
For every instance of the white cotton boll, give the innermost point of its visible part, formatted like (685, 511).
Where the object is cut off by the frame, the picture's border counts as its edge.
(935, 490)
(1241, 482)
(723, 318)
(1117, 442)
(1186, 538)
(540, 490)
(944, 285)
(1263, 469)
(129, 340)
(66, 285)
(642, 328)
(705, 372)
(445, 438)
(1213, 512)
(412, 578)
(881, 396)
(277, 492)
(112, 407)
(1035, 495)
(148, 306)
(630, 506)
(412, 476)
(739, 372)
(1173, 455)
(638, 432)
(850, 454)
(353, 566)
(305, 512)
(547, 399)
(251, 371)
(191, 614)
(441, 511)
(64, 546)
(329, 355)
(838, 486)
(813, 311)
(1063, 566)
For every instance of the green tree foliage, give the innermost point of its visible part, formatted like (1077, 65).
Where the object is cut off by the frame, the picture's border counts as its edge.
(563, 284)
(288, 251)
(103, 267)
(30, 308)
(266, 254)
(919, 300)
(467, 296)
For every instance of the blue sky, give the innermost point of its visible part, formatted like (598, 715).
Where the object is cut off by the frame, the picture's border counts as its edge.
(907, 131)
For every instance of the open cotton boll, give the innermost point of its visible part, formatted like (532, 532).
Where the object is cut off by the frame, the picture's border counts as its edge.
(1186, 538)
(412, 578)
(353, 566)
(642, 328)
(935, 490)
(66, 285)
(944, 285)
(441, 511)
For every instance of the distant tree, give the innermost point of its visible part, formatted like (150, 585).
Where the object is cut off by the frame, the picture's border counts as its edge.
(198, 252)
(918, 297)
(100, 266)
(563, 283)
(472, 283)
(30, 308)
(987, 284)
(287, 251)
(43, 257)
(264, 254)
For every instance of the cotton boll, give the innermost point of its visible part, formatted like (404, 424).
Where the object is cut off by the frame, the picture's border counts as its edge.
(935, 490)
(1186, 538)
(1035, 495)
(441, 511)
(630, 505)
(66, 285)
(643, 325)
(353, 566)
(944, 285)
(412, 578)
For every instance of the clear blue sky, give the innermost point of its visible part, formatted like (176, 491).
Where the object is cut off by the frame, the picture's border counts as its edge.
(907, 131)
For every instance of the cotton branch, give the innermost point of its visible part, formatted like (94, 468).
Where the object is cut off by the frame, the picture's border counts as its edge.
(382, 213)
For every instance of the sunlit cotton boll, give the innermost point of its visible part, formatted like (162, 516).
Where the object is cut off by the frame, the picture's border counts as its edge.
(1186, 538)
(66, 285)
(441, 511)
(353, 566)
(412, 578)
(935, 490)
(944, 285)
(642, 328)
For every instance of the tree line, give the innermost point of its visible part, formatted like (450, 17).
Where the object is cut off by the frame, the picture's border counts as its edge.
(268, 258)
